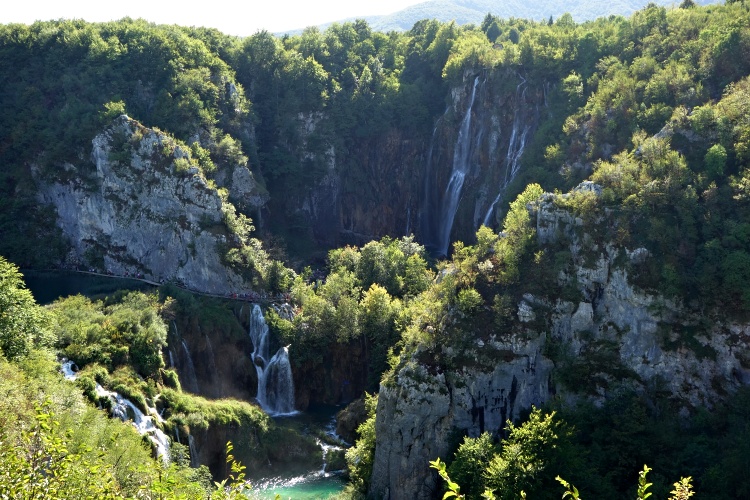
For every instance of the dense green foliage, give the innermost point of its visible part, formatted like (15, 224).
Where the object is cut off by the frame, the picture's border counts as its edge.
(526, 461)
(599, 450)
(22, 324)
(55, 444)
(360, 301)
(360, 457)
(127, 332)
(655, 109)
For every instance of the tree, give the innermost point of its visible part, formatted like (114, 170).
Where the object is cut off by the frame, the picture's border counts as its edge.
(361, 456)
(716, 161)
(22, 321)
(527, 457)
(470, 462)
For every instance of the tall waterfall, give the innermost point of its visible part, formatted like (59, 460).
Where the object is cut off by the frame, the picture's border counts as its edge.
(461, 157)
(516, 145)
(275, 384)
(180, 358)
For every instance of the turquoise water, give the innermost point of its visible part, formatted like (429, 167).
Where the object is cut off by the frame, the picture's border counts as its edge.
(308, 487)
(316, 421)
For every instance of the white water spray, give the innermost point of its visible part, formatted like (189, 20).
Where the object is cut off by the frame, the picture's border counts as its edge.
(125, 410)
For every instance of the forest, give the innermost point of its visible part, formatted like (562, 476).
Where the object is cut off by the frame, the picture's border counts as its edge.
(616, 147)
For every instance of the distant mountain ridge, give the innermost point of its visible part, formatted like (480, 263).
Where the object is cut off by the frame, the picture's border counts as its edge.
(473, 11)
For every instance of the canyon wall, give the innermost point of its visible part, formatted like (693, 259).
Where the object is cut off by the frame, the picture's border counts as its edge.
(624, 338)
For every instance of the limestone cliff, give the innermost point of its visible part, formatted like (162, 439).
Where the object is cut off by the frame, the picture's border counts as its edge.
(476, 152)
(145, 209)
(399, 181)
(620, 335)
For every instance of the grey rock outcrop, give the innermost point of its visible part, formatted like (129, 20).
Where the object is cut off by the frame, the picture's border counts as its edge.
(627, 337)
(417, 415)
(145, 209)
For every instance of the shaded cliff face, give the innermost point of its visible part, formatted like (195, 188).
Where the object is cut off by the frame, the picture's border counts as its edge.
(211, 353)
(619, 335)
(339, 378)
(370, 190)
(476, 151)
(143, 210)
(404, 181)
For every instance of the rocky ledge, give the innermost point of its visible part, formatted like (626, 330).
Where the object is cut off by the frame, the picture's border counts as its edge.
(145, 210)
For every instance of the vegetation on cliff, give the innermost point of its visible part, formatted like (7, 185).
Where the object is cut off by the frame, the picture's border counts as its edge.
(653, 109)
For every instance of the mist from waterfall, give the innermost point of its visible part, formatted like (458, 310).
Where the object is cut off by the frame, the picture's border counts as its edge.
(275, 383)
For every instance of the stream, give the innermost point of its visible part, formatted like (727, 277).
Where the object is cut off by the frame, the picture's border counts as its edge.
(316, 484)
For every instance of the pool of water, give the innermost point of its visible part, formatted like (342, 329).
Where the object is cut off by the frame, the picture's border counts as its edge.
(48, 286)
(317, 421)
(309, 487)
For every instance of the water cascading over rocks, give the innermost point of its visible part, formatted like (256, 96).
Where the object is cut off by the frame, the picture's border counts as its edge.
(516, 145)
(125, 410)
(275, 384)
(475, 155)
(461, 164)
(190, 379)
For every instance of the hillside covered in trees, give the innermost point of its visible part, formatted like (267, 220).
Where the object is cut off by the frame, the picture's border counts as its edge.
(470, 221)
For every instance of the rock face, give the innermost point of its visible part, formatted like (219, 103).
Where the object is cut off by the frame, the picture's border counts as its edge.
(338, 378)
(144, 210)
(417, 416)
(624, 336)
(395, 182)
(479, 142)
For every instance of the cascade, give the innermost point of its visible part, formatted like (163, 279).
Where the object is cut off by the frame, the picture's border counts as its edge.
(190, 375)
(275, 384)
(125, 410)
(212, 363)
(430, 190)
(190, 383)
(516, 145)
(193, 451)
(325, 448)
(461, 157)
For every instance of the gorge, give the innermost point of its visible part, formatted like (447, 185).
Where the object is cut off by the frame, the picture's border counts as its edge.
(428, 233)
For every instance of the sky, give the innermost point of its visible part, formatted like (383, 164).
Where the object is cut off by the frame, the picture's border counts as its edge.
(230, 17)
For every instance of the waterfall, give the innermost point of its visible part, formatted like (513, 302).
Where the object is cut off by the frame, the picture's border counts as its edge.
(516, 145)
(190, 375)
(193, 451)
(275, 384)
(216, 386)
(125, 410)
(67, 370)
(427, 223)
(461, 157)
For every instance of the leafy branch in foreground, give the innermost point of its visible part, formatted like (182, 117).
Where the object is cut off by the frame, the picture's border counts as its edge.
(683, 489)
(234, 486)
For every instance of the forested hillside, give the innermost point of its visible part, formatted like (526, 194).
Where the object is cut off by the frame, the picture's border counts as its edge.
(473, 11)
(470, 221)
